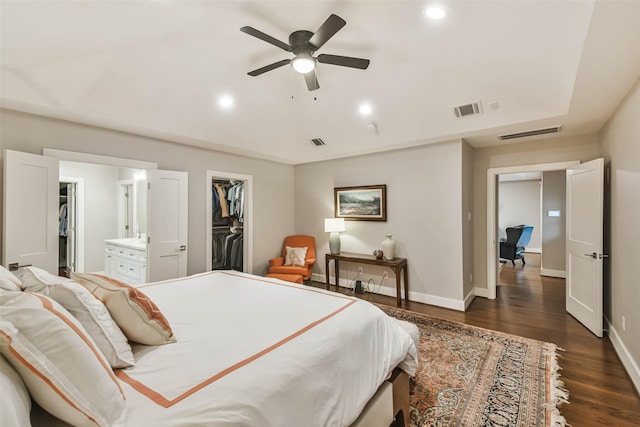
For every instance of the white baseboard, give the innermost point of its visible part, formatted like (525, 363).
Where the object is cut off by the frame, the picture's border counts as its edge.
(482, 292)
(533, 250)
(469, 298)
(553, 273)
(627, 361)
(413, 296)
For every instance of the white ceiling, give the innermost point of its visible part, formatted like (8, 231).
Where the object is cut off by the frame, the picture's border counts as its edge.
(158, 67)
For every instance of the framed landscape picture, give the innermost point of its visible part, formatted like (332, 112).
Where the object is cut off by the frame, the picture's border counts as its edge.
(366, 203)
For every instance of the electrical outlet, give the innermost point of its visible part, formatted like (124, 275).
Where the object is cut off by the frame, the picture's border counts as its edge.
(360, 271)
(624, 324)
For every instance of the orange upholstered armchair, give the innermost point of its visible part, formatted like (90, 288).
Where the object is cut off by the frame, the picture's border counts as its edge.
(300, 261)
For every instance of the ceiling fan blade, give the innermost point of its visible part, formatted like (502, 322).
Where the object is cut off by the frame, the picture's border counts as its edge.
(269, 67)
(332, 25)
(265, 37)
(344, 61)
(312, 80)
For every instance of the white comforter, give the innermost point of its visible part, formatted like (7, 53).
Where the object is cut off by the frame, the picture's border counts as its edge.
(253, 351)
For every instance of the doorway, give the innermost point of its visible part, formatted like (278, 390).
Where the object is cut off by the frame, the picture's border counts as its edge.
(71, 225)
(238, 227)
(520, 199)
(125, 209)
(492, 214)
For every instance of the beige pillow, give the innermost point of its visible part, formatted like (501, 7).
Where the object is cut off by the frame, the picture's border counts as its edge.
(295, 256)
(15, 403)
(138, 317)
(63, 369)
(8, 281)
(85, 307)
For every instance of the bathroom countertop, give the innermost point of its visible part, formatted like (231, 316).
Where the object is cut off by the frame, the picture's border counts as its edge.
(132, 242)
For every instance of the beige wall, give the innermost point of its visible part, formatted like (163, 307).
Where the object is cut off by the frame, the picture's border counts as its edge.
(273, 182)
(519, 203)
(621, 148)
(583, 147)
(553, 228)
(424, 202)
(467, 219)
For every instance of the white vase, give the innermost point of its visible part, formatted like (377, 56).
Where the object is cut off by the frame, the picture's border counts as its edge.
(388, 247)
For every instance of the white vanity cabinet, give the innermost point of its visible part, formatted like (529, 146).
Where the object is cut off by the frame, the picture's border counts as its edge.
(126, 260)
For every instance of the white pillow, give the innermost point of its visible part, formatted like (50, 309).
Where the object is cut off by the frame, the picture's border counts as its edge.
(138, 317)
(15, 403)
(295, 256)
(8, 281)
(85, 307)
(60, 364)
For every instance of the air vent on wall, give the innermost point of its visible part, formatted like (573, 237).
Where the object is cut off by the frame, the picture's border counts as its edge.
(467, 109)
(553, 129)
(317, 142)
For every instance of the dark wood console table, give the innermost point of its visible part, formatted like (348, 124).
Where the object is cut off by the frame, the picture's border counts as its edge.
(395, 264)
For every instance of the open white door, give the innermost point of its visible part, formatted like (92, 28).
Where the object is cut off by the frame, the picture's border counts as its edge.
(72, 241)
(167, 224)
(30, 228)
(585, 198)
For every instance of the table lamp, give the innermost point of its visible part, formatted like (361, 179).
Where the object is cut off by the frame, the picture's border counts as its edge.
(334, 226)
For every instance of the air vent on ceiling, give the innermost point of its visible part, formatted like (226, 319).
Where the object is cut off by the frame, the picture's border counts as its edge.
(317, 142)
(553, 129)
(467, 109)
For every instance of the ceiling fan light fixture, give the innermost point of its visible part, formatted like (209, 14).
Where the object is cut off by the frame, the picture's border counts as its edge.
(303, 63)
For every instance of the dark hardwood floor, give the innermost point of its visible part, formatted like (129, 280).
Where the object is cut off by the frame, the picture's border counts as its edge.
(533, 306)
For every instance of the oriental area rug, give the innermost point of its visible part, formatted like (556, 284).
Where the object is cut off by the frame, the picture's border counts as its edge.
(470, 376)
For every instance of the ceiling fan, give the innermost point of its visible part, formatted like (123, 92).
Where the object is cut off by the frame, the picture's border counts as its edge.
(303, 44)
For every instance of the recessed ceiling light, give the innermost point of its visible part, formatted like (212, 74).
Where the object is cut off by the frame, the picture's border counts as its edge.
(435, 12)
(225, 101)
(365, 109)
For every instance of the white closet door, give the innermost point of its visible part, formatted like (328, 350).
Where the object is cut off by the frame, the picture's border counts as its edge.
(31, 211)
(167, 224)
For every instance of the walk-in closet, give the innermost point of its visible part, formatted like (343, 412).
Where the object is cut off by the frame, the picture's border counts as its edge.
(228, 214)
(67, 228)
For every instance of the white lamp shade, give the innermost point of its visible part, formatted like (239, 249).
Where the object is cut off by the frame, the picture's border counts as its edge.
(332, 225)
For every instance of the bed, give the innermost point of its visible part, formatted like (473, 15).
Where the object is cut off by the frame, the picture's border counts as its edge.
(255, 351)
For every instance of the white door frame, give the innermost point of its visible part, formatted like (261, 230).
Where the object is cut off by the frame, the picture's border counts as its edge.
(79, 181)
(492, 217)
(247, 230)
(73, 156)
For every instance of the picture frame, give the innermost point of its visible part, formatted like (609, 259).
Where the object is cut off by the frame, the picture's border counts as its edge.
(363, 203)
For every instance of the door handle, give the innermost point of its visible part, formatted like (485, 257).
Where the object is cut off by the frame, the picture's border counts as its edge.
(595, 255)
(182, 248)
(14, 266)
